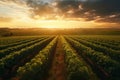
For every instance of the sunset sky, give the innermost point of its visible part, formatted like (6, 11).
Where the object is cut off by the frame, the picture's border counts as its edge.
(59, 13)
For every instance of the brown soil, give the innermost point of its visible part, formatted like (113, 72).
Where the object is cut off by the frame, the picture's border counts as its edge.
(57, 70)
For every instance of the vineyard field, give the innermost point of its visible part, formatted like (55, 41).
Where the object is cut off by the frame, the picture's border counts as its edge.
(60, 57)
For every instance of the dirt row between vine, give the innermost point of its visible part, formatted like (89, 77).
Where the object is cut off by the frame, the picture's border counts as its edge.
(57, 70)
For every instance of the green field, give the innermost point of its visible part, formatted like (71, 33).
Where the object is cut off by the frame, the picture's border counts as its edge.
(60, 57)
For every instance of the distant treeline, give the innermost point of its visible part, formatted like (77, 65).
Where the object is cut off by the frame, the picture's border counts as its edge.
(43, 31)
(5, 32)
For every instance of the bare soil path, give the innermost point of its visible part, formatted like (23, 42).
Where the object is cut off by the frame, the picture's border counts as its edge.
(57, 70)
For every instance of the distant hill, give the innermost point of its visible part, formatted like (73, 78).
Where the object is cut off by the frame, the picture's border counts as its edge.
(44, 31)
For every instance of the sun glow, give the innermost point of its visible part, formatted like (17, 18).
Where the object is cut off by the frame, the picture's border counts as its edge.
(49, 26)
(65, 24)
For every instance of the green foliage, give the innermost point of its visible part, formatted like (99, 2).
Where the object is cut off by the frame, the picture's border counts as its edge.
(11, 49)
(12, 59)
(109, 65)
(36, 68)
(114, 54)
(75, 68)
(15, 41)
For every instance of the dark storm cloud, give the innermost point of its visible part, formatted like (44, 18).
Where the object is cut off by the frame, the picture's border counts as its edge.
(104, 7)
(92, 8)
(111, 18)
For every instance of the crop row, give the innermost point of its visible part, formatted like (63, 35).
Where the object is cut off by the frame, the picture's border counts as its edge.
(108, 45)
(17, 43)
(110, 66)
(76, 69)
(109, 40)
(11, 40)
(9, 50)
(114, 54)
(13, 59)
(36, 68)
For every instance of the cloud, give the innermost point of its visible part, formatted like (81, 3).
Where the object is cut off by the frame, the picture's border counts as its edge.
(5, 19)
(115, 18)
(39, 7)
(104, 7)
(90, 9)
(14, 10)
